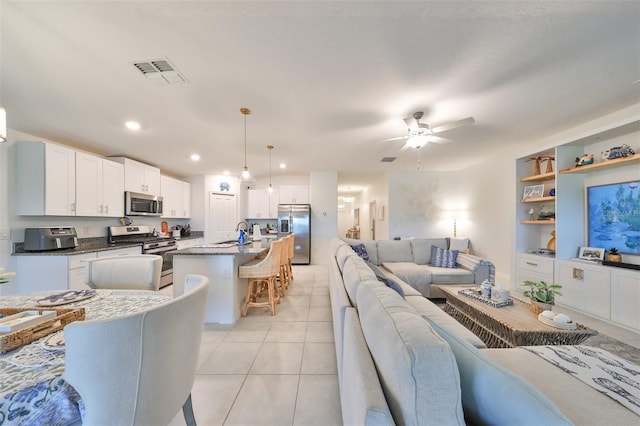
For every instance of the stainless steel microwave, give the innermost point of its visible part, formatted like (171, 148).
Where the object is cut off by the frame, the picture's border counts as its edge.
(136, 204)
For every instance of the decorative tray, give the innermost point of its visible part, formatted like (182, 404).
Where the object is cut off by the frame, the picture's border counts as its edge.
(15, 339)
(67, 297)
(552, 323)
(475, 295)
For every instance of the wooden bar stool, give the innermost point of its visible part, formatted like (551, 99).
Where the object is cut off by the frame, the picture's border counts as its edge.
(262, 277)
(283, 274)
(290, 246)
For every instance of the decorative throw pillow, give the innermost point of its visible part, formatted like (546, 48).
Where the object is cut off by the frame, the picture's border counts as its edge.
(460, 244)
(361, 251)
(385, 280)
(442, 258)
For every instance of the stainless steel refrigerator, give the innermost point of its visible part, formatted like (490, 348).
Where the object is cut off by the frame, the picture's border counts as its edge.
(296, 219)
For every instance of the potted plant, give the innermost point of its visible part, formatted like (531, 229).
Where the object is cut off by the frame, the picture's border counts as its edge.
(613, 255)
(542, 295)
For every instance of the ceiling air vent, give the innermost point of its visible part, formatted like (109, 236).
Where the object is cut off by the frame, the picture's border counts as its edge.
(388, 159)
(160, 71)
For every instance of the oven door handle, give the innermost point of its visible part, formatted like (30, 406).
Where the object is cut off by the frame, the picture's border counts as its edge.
(160, 250)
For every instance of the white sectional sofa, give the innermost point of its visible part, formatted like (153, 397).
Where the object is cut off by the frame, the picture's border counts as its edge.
(410, 261)
(402, 360)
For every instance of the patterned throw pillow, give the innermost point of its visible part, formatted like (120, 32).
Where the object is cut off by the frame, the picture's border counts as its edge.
(442, 258)
(361, 251)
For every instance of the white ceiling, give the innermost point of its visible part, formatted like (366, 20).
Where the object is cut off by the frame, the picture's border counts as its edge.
(327, 81)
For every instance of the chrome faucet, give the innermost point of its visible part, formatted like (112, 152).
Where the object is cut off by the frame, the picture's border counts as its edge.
(246, 226)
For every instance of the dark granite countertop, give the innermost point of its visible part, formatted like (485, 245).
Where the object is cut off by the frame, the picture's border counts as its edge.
(86, 245)
(226, 249)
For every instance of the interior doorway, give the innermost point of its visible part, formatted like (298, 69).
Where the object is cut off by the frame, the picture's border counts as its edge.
(372, 218)
(222, 217)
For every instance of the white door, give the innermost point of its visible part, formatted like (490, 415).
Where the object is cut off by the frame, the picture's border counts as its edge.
(60, 181)
(112, 189)
(88, 185)
(222, 217)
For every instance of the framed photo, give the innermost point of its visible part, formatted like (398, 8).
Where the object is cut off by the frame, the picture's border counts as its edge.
(356, 217)
(591, 253)
(381, 213)
(534, 191)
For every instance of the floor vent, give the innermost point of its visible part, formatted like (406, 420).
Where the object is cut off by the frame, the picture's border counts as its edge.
(160, 71)
(388, 159)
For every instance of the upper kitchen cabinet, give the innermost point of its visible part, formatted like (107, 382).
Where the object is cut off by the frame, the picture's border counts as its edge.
(294, 194)
(261, 204)
(140, 177)
(46, 179)
(176, 198)
(99, 186)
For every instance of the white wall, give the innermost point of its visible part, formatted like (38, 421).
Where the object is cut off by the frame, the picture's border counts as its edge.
(417, 200)
(323, 196)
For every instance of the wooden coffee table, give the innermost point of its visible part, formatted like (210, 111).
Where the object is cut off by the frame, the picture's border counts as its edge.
(507, 326)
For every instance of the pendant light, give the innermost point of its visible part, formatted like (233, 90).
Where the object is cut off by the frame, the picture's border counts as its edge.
(245, 169)
(270, 148)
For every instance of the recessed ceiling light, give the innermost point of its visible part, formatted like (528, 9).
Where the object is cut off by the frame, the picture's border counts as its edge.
(283, 166)
(195, 157)
(132, 125)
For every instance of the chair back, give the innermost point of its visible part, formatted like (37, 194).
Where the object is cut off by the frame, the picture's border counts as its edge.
(268, 266)
(291, 243)
(124, 272)
(138, 368)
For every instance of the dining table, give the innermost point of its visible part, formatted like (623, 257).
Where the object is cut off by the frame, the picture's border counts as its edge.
(32, 388)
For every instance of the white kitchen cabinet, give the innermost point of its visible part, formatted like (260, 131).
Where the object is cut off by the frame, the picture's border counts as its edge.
(530, 267)
(625, 297)
(99, 186)
(47, 272)
(176, 198)
(45, 179)
(261, 204)
(294, 194)
(140, 177)
(191, 242)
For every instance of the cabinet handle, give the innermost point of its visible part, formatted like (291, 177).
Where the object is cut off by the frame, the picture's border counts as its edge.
(106, 208)
(73, 207)
(100, 209)
(532, 263)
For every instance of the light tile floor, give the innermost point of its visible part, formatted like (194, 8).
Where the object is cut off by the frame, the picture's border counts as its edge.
(278, 370)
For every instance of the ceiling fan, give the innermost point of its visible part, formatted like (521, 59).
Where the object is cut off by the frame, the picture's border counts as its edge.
(419, 134)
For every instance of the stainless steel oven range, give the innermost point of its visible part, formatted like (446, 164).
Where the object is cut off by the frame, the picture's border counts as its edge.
(162, 246)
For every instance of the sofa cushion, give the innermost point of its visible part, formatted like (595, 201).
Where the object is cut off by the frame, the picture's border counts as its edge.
(356, 272)
(426, 308)
(361, 251)
(421, 248)
(370, 245)
(442, 258)
(335, 244)
(417, 276)
(394, 251)
(494, 395)
(361, 395)
(450, 275)
(342, 254)
(415, 365)
(460, 244)
(389, 282)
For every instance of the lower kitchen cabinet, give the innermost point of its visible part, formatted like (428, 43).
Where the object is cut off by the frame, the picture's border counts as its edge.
(46, 273)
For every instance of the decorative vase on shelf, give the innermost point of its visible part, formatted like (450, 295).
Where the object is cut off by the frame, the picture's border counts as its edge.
(551, 245)
(613, 255)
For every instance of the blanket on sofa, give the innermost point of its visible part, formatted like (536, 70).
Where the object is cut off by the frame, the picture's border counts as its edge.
(607, 373)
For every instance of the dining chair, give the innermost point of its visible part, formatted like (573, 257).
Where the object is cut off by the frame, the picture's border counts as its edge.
(124, 272)
(291, 247)
(282, 279)
(262, 273)
(139, 369)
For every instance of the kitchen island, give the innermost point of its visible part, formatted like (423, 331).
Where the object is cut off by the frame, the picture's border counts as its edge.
(219, 262)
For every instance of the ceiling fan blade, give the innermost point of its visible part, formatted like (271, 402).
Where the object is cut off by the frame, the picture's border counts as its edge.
(403, 149)
(412, 123)
(453, 125)
(395, 139)
(438, 139)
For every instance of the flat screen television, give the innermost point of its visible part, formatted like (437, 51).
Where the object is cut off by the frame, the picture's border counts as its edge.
(614, 216)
